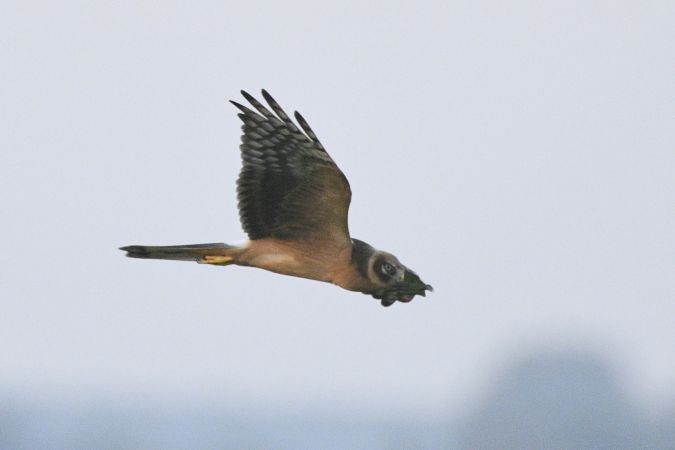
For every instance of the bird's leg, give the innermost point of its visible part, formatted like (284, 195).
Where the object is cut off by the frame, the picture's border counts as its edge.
(216, 260)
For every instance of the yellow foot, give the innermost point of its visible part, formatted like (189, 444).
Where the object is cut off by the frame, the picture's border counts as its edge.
(216, 260)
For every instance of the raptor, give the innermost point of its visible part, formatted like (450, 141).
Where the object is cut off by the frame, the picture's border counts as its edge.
(293, 205)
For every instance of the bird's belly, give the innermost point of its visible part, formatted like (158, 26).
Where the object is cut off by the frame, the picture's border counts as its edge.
(285, 261)
(277, 262)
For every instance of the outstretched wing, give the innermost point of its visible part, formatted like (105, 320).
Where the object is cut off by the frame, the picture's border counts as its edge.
(288, 187)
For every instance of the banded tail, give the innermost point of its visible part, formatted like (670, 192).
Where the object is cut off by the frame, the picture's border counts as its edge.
(216, 253)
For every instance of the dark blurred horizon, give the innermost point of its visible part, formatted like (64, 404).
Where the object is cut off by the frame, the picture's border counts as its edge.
(548, 399)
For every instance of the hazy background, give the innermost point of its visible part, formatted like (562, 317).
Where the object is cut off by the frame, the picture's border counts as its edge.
(519, 156)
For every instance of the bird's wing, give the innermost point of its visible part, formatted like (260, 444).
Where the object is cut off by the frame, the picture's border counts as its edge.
(288, 187)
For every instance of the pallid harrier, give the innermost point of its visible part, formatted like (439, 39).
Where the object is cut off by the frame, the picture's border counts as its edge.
(293, 204)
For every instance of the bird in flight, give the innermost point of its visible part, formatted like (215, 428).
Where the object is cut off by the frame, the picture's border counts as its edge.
(293, 205)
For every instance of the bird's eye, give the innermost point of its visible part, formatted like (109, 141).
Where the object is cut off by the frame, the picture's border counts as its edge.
(388, 269)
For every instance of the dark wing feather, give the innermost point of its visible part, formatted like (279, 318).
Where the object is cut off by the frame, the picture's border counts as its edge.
(288, 187)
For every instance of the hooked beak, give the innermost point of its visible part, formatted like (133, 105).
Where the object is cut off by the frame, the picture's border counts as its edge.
(406, 289)
(411, 281)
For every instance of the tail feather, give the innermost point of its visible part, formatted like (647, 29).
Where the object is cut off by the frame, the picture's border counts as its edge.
(191, 252)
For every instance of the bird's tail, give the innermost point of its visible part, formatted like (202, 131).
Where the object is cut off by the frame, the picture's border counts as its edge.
(216, 253)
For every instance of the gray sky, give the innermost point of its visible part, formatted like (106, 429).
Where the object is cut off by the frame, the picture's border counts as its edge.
(518, 156)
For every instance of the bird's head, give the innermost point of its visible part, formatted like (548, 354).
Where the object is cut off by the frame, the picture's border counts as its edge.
(388, 279)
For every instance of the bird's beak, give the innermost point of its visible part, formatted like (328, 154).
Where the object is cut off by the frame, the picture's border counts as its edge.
(408, 286)
(412, 281)
(412, 285)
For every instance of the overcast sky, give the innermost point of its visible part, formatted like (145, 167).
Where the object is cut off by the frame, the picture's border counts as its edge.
(519, 156)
